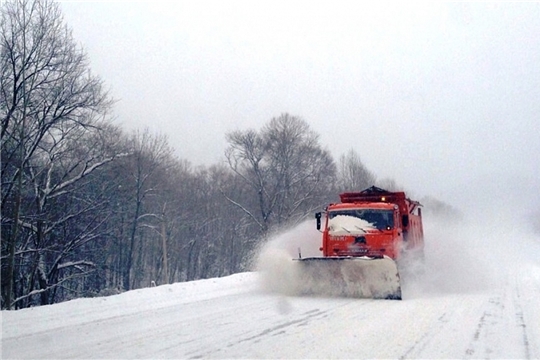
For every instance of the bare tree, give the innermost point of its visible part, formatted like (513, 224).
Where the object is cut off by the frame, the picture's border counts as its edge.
(283, 167)
(224, 232)
(49, 100)
(145, 169)
(353, 174)
(302, 172)
(246, 156)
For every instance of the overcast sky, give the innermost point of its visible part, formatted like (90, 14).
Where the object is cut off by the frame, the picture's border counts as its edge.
(439, 97)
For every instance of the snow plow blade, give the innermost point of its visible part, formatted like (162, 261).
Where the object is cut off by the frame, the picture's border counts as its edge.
(360, 277)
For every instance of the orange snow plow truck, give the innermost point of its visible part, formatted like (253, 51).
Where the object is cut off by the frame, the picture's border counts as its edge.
(363, 239)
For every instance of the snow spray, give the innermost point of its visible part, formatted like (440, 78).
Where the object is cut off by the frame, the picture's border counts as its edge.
(465, 256)
(473, 254)
(279, 272)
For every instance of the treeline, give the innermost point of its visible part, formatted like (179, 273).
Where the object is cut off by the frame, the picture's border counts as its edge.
(88, 209)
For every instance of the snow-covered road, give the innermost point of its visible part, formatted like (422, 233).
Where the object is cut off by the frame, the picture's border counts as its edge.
(232, 318)
(459, 310)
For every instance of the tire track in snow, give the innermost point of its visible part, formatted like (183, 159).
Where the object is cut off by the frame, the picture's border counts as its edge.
(502, 315)
(307, 316)
(224, 325)
(471, 349)
(484, 344)
(278, 329)
(521, 320)
(424, 340)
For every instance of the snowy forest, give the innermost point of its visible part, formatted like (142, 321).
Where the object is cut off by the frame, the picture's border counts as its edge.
(89, 209)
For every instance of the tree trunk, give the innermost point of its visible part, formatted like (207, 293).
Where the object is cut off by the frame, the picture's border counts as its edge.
(164, 250)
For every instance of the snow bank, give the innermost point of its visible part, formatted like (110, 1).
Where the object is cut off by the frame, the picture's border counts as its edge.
(128, 303)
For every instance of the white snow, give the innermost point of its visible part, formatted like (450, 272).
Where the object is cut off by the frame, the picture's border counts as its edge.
(348, 225)
(477, 299)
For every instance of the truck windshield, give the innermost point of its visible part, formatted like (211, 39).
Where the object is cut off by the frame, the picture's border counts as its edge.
(380, 219)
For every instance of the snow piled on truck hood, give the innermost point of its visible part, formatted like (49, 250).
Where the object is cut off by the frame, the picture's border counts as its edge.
(348, 225)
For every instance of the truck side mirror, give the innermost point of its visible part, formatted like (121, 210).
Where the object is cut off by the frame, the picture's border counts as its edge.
(318, 217)
(405, 220)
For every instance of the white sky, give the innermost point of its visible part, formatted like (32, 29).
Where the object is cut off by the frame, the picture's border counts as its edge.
(440, 97)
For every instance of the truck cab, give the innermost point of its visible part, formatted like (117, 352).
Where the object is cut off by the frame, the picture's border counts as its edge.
(373, 223)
